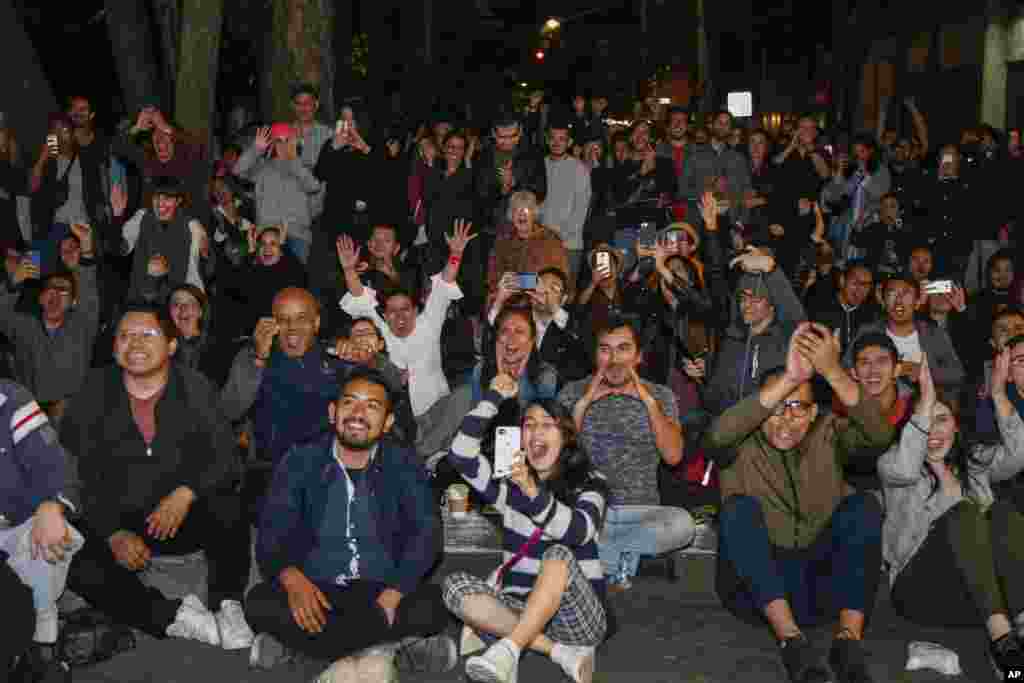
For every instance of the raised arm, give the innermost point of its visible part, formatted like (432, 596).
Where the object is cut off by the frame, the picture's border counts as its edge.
(251, 161)
(456, 247)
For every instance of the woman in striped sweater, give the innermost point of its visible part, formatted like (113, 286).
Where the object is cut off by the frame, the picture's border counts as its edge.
(548, 594)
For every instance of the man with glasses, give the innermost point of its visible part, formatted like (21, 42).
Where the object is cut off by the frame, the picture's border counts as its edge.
(914, 336)
(53, 348)
(795, 548)
(157, 463)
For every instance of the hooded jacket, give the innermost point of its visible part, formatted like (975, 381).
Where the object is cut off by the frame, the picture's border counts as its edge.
(743, 358)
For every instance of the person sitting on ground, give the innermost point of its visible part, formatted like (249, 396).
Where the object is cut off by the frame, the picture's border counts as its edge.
(550, 590)
(158, 469)
(797, 554)
(915, 337)
(414, 339)
(53, 347)
(37, 491)
(557, 341)
(349, 536)
(628, 426)
(167, 245)
(944, 533)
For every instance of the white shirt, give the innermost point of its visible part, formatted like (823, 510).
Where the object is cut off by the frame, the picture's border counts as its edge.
(420, 352)
(909, 346)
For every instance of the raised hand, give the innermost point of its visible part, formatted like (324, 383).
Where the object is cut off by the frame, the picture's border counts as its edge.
(799, 368)
(819, 346)
(927, 386)
(1001, 373)
(262, 141)
(263, 337)
(348, 253)
(709, 211)
(506, 385)
(462, 236)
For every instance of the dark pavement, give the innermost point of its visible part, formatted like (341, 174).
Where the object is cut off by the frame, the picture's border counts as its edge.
(669, 632)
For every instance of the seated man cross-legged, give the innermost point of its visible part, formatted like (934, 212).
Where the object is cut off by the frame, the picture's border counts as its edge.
(348, 532)
(157, 463)
(795, 548)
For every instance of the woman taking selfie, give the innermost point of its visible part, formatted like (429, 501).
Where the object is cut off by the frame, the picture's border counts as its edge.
(944, 534)
(548, 594)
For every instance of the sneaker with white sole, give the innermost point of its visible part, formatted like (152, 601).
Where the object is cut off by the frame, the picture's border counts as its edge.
(268, 652)
(577, 661)
(194, 622)
(376, 665)
(499, 664)
(235, 633)
(435, 654)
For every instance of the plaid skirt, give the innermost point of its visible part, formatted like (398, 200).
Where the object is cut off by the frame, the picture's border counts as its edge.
(580, 619)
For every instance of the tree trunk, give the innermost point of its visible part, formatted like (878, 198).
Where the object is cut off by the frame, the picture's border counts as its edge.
(300, 52)
(167, 15)
(131, 39)
(196, 93)
(29, 94)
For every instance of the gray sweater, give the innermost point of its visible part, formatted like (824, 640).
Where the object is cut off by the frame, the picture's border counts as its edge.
(283, 191)
(53, 365)
(565, 208)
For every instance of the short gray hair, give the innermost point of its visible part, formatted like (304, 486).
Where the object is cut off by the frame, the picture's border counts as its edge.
(523, 199)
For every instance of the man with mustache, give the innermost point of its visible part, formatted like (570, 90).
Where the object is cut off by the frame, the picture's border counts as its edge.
(348, 563)
(795, 548)
(628, 426)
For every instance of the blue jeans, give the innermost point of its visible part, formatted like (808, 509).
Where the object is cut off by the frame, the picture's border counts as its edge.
(839, 570)
(642, 530)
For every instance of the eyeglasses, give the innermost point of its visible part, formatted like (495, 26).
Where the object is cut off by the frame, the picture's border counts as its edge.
(147, 335)
(795, 407)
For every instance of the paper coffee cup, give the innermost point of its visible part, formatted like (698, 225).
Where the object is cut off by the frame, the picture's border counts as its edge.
(458, 499)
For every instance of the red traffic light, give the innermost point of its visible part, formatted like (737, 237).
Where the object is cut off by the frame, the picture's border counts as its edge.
(539, 55)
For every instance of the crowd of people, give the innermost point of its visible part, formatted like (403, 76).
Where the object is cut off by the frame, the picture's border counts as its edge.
(805, 339)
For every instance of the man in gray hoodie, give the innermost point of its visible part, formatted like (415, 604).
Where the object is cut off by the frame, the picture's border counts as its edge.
(764, 313)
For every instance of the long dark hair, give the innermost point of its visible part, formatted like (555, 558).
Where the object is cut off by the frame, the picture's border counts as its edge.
(960, 459)
(574, 472)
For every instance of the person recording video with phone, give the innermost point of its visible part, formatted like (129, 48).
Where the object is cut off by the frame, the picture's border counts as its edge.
(548, 595)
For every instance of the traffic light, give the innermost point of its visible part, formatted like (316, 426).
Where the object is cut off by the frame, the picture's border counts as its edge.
(539, 55)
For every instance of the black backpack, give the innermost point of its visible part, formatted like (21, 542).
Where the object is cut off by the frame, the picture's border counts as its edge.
(88, 636)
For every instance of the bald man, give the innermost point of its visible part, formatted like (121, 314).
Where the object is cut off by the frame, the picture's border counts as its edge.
(284, 379)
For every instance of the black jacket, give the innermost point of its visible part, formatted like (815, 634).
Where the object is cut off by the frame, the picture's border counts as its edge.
(347, 173)
(530, 175)
(121, 482)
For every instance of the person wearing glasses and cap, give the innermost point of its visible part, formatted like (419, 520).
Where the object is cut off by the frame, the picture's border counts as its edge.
(795, 547)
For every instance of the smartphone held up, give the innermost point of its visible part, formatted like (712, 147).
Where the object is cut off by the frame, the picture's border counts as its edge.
(507, 445)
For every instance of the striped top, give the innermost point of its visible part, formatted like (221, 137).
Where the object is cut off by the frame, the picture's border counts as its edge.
(575, 527)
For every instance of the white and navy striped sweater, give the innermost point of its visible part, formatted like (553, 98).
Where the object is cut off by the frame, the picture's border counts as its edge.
(576, 527)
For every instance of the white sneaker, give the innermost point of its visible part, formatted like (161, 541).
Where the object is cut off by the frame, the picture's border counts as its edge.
(235, 633)
(500, 664)
(370, 666)
(577, 661)
(194, 622)
(268, 652)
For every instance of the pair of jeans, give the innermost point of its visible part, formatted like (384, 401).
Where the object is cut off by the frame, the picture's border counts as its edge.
(354, 622)
(642, 530)
(839, 570)
(46, 580)
(215, 524)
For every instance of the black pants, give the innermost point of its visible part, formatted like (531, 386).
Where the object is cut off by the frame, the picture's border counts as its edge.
(19, 618)
(355, 622)
(215, 524)
(970, 567)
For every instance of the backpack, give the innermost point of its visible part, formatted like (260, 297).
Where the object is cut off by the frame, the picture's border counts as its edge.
(88, 636)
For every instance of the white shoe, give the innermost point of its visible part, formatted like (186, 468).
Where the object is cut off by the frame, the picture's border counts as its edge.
(235, 633)
(577, 661)
(194, 622)
(370, 666)
(268, 652)
(500, 664)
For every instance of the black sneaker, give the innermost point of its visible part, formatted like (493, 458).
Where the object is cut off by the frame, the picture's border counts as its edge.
(849, 662)
(802, 665)
(436, 654)
(1007, 656)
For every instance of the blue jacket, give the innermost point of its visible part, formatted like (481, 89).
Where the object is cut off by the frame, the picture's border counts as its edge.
(33, 466)
(406, 516)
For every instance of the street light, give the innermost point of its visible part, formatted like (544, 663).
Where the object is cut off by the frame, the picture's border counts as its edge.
(552, 24)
